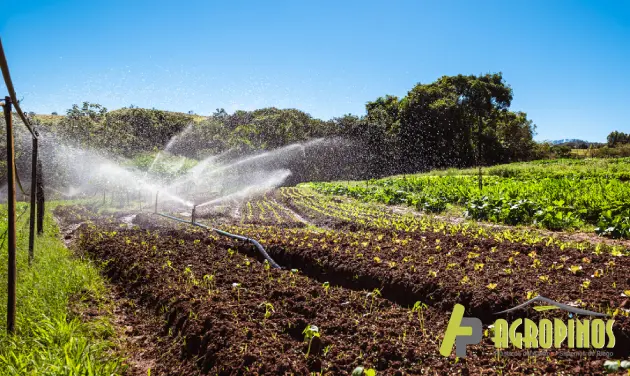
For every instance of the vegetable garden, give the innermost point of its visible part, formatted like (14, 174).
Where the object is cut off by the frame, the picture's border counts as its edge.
(558, 196)
(361, 285)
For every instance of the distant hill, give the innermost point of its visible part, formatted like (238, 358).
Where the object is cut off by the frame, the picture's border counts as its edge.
(571, 140)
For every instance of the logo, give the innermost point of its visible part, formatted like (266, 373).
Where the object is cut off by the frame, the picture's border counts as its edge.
(585, 333)
(461, 331)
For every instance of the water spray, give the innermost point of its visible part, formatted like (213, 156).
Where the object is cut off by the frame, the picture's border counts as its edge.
(156, 200)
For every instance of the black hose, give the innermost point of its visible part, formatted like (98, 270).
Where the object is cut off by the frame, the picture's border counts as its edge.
(233, 236)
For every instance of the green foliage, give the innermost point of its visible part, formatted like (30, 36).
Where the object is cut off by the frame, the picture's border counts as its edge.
(554, 195)
(359, 371)
(615, 138)
(428, 128)
(310, 332)
(49, 340)
(614, 226)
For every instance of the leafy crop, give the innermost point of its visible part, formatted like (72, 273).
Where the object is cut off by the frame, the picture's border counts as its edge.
(614, 226)
(551, 199)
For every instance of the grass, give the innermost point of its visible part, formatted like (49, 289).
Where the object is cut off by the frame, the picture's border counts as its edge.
(49, 338)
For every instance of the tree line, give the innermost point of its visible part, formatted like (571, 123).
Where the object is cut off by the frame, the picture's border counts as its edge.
(456, 121)
(616, 138)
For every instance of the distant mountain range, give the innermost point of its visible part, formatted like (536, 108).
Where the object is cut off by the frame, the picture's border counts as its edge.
(572, 140)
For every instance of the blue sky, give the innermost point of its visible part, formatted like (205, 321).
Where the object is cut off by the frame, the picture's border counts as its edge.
(567, 61)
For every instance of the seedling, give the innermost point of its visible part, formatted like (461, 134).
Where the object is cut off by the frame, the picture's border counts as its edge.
(268, 310)
(544, 278)
(310, 332)
(360, 371)
(536, 264)
(267, 267)
(419, 307)
(531, 294)
(209, 281)
(237, 287)
(375, 293)
(326, 286)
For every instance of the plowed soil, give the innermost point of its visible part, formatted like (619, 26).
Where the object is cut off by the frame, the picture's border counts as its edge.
(212, 306)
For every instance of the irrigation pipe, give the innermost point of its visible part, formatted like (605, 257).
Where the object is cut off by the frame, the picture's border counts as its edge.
(227, 234)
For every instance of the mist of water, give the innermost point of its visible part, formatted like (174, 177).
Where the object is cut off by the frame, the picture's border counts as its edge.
(74, 172)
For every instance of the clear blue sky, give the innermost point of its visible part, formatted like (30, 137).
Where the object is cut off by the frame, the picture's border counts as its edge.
(567, 61)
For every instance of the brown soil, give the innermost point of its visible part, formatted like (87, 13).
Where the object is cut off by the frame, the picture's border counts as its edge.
(190, 318)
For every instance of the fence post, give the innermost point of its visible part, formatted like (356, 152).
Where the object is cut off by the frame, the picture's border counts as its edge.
(10, 217)
(31, 233)
(479, 157)
(40, 198)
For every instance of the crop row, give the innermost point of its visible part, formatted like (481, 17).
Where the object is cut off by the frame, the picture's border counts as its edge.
(266, 210)
(485, 274)
(550, 203)
(231, 314)
(614, 168)
(225, 312)
(345, 213)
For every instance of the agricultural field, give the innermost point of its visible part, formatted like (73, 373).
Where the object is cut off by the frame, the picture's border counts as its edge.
(361, 284)
(586, 195)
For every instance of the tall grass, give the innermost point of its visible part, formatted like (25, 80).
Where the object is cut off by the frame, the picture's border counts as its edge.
(49, 339)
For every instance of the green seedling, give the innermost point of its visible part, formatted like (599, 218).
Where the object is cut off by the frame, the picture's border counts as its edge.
(326, 286)
(310, 332)
(373, 295)
(419, 308)
(237, 286)
(209, 281)
(267, 267)
(360, 371)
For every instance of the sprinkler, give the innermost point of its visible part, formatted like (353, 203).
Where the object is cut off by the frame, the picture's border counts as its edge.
(156, 200)
(193, 214)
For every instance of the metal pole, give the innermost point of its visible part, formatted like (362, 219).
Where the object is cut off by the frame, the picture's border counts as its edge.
(156, 200)
(10, 216)
(40, 197)
(31, 234)
(193, 214)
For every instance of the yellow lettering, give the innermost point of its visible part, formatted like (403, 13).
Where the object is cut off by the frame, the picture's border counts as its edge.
(530, 338)
(560, 333)
(545, 333)
(516, 338)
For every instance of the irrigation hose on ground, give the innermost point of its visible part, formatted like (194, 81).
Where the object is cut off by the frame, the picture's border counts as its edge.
(227, 234)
